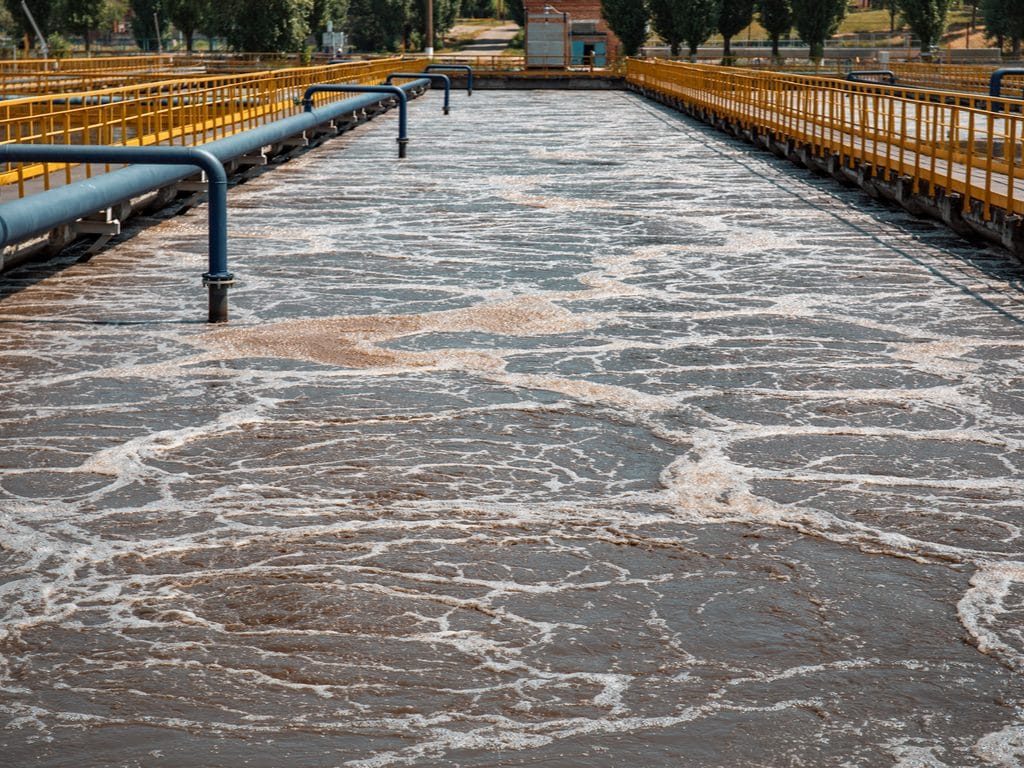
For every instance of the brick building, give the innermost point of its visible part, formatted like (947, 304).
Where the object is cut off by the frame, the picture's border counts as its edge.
(562, 33)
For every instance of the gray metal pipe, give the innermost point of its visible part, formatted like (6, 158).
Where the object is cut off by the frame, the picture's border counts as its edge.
(433, 77)
(460, 67)
(217, 278)
(391, 90)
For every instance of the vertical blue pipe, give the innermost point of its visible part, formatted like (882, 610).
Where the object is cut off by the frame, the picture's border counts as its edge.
(392, 90)
(217, 278)
(995, 83)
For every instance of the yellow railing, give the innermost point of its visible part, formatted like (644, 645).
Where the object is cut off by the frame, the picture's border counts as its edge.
(956, 77)
(934, 139)
(59, 76)
(949, 77)
(154, 63)
(516, 66)
(97, 64)
(181, 112)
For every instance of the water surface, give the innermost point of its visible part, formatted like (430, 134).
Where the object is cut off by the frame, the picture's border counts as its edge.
(584, 436)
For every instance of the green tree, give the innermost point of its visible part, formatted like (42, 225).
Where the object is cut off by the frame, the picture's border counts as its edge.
(279, 25)
(667, 18)
(893, 7)
(1004, 21)
(145, 15)
(446, 12)
(516, 12)
(927, 19)
(816, 21)
(376, 25)
(689, 21)
(42, 11)
(323, 11)
(188, 16)
(700, 19)
(113, 12)
(776, 16)
(80, 17)
(7, 25)
(628, 20)
(733, 17)
(478, 9)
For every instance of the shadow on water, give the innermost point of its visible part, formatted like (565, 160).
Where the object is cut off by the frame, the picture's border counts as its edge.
(41, 267)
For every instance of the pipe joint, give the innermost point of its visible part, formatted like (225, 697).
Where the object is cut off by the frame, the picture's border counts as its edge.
(220, 279)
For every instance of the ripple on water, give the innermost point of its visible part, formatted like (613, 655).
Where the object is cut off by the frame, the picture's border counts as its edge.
(614, 441)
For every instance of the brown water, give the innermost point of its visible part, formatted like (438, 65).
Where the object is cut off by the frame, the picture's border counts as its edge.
(584, 436)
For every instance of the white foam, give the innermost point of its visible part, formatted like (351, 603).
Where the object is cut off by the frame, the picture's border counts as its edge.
(1002, 749)
(982, 606)
(910, 755)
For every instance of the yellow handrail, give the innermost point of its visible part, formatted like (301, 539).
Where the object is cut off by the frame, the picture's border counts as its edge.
(937, 139)
(184, 112)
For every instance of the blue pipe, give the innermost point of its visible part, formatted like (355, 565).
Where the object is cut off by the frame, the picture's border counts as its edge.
(888, 74)
(433, 78)
(995, 83)
(393, 90)
(30, 216)
(460, 67)
(217, 278)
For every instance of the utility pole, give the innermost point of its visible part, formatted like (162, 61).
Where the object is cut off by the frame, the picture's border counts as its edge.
(39, 35)
(428, 48)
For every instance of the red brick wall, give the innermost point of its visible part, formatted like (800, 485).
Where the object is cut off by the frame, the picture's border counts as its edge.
(578, 10)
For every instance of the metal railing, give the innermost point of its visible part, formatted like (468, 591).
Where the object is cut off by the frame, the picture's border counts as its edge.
(180, 112)
(539, 66)
(956, 77)
(932, 137)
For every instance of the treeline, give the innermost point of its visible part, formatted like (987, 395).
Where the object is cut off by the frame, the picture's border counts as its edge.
(390, 25)
(250, 25)
(692, 22)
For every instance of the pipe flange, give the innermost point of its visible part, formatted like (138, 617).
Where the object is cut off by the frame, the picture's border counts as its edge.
(222, 280)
